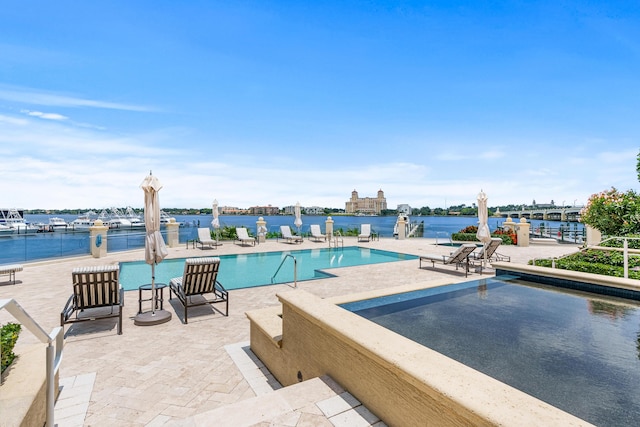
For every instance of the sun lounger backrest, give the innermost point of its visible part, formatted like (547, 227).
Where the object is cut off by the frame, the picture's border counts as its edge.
(461, 253)
(315, 230)
(242, 233)
(96, 286)
(204, 234)
(285, 230)
(200, 275)
(365, 229)
(490, 248)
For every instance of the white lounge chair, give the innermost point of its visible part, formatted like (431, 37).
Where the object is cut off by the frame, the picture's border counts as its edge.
(243, 236)
(204, 238)
(316, 234)
(365, 232)
(490, 250)
(11, 270)
(458, 258)
(285, 231)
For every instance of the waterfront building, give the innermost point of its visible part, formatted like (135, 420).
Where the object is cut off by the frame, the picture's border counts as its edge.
(366, 205)
(264, 210)
(231, 210)
(314, 210)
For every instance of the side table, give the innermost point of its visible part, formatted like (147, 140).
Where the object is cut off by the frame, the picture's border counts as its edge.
(159, 295)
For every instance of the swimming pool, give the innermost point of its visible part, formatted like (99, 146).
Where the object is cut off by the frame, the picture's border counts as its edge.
(579, 352)
(258, 269)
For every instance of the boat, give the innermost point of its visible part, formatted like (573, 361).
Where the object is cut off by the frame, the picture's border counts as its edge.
(5, 230)
(134, 218)
(83, 221)
(166, 219)
(116, 220)
(14, 219)
(57, 223)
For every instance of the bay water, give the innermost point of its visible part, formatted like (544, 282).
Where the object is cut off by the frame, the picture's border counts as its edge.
(48, 245)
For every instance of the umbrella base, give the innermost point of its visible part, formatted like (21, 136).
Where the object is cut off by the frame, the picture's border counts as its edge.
(149, 318)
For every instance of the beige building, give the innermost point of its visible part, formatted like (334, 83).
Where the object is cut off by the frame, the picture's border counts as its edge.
(366, 205)
(264, 210)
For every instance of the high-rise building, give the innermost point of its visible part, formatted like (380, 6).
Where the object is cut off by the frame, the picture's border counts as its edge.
(366, 205)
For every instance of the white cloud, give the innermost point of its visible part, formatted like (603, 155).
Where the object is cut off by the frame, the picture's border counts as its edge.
(35, 97)
(47, 116)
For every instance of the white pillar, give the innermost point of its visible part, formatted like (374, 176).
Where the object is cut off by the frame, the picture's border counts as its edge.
(261, 229)
(173, 236)
(328, 224)
(98, 239)
(594, 237)
(522, 233)
(402, 228)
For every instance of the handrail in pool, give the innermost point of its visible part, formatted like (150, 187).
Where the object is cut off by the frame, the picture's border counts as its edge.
(295, 270)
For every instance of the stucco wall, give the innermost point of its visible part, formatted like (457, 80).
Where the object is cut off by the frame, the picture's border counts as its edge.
(402, 382)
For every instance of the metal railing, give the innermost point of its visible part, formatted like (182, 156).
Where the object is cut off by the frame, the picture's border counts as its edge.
(447, 237)
(337, 239)
(295, 270)
(53, 359)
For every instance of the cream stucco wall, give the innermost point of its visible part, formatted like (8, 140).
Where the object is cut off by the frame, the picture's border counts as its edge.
(401, 381)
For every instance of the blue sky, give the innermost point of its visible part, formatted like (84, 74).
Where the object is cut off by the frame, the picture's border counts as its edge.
(274, 102)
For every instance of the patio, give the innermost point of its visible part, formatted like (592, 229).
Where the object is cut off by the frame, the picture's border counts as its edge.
(202, 373)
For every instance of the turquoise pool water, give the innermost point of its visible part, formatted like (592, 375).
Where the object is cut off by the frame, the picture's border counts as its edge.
(257, 269)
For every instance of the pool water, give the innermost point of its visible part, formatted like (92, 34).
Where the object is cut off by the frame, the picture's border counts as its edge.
(577, 351)
(258, 269)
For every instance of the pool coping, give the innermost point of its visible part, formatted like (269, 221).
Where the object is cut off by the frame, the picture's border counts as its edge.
(402, 382)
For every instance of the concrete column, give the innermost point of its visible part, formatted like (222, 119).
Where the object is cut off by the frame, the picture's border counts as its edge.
(328, 224)
(509, 225)
(261, 229)
(98, 239)
(594, 237)
(522, 232)
(402, 229)
(173, 236)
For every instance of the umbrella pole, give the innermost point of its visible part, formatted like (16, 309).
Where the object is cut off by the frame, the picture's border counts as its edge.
(153, 289)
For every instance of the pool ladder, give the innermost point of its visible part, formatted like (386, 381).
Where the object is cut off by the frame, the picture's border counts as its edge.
(295, 270)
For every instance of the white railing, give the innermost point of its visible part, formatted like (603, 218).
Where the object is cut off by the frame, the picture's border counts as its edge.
(53, 359)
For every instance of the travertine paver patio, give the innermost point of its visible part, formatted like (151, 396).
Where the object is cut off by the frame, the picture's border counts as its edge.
(177, 374)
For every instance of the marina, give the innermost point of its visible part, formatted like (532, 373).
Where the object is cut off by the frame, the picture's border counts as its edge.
(75, 240)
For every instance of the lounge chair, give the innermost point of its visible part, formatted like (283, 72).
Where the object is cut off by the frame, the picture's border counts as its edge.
(204, 238)
(316, 234)
(94, 289)
(243, 236)
(10, 270)
(458, 258)
(199, 278)
(285, 231)
(490, 249)
(365, 232)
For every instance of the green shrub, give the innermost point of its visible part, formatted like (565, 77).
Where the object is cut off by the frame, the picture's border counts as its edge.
(464, 237)
(607, 263)
(612, 212)
(471, 237)
(618, 242)
(8, 337)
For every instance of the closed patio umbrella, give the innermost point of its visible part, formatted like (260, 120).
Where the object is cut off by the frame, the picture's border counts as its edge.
(483, 234)
(215, 223)
(155, 249)
(298, 221)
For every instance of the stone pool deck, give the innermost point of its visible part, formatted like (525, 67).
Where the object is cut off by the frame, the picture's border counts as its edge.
(203, 373)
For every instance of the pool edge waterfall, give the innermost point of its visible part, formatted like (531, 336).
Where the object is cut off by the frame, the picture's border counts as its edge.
(402, 382)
